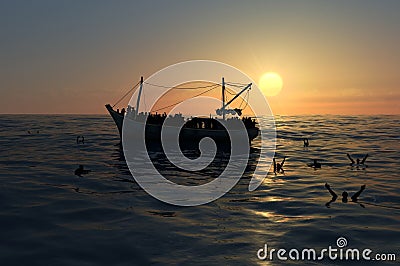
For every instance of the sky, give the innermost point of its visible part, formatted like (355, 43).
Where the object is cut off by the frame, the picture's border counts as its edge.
(334, 57)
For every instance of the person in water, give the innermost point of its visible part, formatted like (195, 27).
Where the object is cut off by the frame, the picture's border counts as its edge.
(80, 139)
(315, 164)
(358, 160)
(278, 167)
(306, 143)
(345, 195)
(81, 171)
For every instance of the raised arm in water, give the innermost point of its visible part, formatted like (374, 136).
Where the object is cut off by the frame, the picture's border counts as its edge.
(351, 159)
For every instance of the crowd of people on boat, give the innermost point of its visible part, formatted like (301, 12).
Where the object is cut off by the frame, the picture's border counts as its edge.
(178, 119)
(214, 124)
(122, 111)
(159, 119)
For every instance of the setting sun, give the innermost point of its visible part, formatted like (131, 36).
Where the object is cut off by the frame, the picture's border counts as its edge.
(270, 84)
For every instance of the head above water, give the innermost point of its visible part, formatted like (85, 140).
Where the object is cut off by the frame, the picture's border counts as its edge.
(344, 196)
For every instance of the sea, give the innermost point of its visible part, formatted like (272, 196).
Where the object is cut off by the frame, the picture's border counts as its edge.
(50, 216)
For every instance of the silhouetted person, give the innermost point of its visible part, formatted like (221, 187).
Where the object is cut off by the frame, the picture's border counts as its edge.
(123, 111)
(306, 143)
(354, 198)
(364, 159)
(334, 196)
(274, 165)
(80, 139)
(278, 167)
(315, 164)
(358, 160)
(345, 195)
(80, 171)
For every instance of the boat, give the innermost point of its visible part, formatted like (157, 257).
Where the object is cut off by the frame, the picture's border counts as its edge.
(117, 117)
(195, 128)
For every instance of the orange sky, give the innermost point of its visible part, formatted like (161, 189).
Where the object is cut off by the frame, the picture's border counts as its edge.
(70, 57)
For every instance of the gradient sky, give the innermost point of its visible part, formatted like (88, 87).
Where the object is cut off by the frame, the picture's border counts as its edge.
(336, 57)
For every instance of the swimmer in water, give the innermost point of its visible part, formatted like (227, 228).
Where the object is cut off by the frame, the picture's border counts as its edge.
(80, 139)
(362, 162)
(334, 196)
(278, 167)
(306, 143)
(315, 164)
(354, 198)
(345, 195)
(80, 171)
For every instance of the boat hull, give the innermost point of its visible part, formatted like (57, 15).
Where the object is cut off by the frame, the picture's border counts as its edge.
(153, 132)
(117, 117)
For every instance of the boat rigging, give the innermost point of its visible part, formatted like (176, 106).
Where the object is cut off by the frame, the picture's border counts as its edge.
(207, 126)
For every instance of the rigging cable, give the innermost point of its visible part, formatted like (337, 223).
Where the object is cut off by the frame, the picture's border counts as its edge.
(231, 93)
(242, 101)
(236, 84)
(214, 86)
(184, 88)
(126, 94)
(247, 100)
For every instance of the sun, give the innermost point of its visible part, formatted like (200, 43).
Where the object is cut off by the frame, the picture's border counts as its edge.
(270, 84)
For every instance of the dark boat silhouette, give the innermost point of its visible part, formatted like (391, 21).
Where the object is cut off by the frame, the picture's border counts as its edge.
(194, 128)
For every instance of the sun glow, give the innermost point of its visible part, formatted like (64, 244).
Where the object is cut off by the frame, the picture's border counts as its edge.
(270, 84)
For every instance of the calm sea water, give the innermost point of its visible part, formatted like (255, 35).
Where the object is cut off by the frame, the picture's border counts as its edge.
(49, 216)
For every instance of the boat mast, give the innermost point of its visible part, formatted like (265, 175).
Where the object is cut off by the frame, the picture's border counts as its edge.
(223, 98)
(223, 110)
(138, 98)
